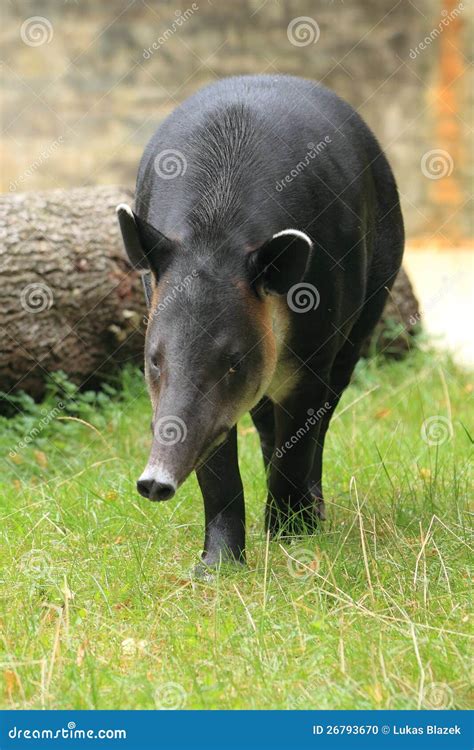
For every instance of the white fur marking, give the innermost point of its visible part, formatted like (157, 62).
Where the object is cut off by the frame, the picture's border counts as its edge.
(158, 474)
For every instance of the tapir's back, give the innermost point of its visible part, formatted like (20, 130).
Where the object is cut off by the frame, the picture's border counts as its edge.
(237, 150)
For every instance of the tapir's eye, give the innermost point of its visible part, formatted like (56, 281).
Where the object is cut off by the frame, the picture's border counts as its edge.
(155, 366)
(235, 363)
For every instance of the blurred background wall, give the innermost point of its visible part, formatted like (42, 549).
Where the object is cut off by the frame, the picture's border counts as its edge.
(85, 88)
(86, 83)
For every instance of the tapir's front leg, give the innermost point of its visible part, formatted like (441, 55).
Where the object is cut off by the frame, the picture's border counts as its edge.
(291, 506)
(221, 486)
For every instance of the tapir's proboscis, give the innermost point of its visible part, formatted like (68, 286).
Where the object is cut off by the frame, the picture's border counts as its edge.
(267, 224)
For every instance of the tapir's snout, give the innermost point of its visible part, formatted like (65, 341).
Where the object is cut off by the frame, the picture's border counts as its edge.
(156, 485)
(169, 466)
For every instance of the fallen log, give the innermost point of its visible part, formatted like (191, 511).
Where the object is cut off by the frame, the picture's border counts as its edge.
(71, 302)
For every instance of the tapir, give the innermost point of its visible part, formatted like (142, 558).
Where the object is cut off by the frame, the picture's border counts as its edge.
(268, 229)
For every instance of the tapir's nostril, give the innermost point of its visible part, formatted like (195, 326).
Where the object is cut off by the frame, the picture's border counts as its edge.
(144, 486)
(154, 490)
(162, 491)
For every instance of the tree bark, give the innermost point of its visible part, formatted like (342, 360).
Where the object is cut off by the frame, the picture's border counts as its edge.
(71, 302)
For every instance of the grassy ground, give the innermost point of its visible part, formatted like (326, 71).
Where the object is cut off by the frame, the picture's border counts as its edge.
(97, 610)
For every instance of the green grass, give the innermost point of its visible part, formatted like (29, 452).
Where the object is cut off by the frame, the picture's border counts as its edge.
(98, 611)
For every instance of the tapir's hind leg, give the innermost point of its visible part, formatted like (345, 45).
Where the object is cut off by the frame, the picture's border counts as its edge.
(341, 373)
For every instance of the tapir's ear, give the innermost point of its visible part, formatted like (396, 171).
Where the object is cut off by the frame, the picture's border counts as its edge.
(146, 247)
(281, 262)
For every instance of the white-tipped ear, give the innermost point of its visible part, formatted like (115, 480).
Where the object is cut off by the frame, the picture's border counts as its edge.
(124, 207)
(130, 236)
(296, 233)
(281, 262)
